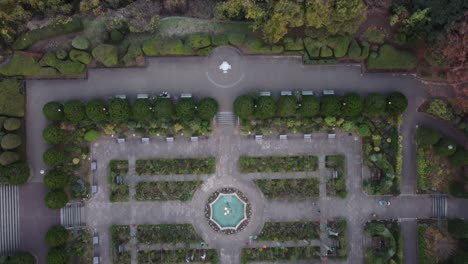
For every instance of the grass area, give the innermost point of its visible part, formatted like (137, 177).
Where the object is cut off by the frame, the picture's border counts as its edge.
(278, 164)
(176, 166)
(167, 233)
(211, 256)
(339, 226)
(289, 188)
(337, 187)
(166, 191)
(278, 254)
(286, 231)
(12, 98)
(120, 235)
(390, 58)
(118, 192)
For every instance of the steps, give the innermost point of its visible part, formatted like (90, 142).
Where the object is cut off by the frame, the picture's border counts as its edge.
(439, 206)
(226, 119)
(70, 215)
(9, 219)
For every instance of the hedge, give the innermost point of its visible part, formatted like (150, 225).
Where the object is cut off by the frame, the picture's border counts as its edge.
(119, 110)
(10, 141)
(21, 258)
(330, 105)
(57, 236)
(244, 106)
(57, 256)
(236, 39)
(312, 47)
(157, 46)
(96, 110)
(80, 56)
(426, 137)
(8, 157)
(53, 134)
(354, 51)
(207, 108)
(11, 98)
(310, 106)
(445, 147)
(164, 108)
(74, 111)
(375, 104)
(326, 52)
(80, 42)
(390, 58)
(56, 199)
(24, 64)
(185, 109)
(352, 104)
(286, 106)
(142, 110)
(106, 54)
(53, 111)
(198, 41)
(339, 44)
(220, 40)
(265, 107)
(396, 103)
(11, 124)
(278, 164)
(54, 157)
(29, 38)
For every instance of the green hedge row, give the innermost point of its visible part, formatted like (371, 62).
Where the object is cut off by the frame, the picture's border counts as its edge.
(278, 163)
(287, 231)
(280, 254)
(166, 191)
(289, 188)
(176, 166)
(167, 233)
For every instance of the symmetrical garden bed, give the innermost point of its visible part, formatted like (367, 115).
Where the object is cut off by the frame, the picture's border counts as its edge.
(280, 254)
(118, 191)
(209, 256)
(167, 234)
(336, 187)
(289, 188)
(176, 166)
(69, 246)
(278, 163)
(339, 225)
(166, 190)
(288, 231)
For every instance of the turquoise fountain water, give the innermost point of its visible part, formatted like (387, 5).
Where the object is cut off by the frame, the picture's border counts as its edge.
(228, 211)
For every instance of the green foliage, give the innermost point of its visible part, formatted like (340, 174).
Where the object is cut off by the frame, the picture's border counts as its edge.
(396, 103)
(457, 189)
(287, 231)
(445, 147)
(274, 254)
(286, 106)
(80, 56)
(74, 111)
(244, 106)
(116, 36)
(426, 137)
(61, 54)
(11, 98)
(53, 111)
(167, 233)
(56, 199)
(422, 243)
(339, 44)
(352, 104)
(310, 106)
(312, 47)
(24, 64)
(55, 180)
(96, 110)
(10, 141)
(21, 258)
(8, 157)
(374, 105)
(57, 236)
(278, 164)
(291, 44)
(158, 47)
(57, 256)
(119, 110)
(64, 67)
(355, 50)
(185, 109)
(337, 187)
(55, 157)
(80, 42)
(106, 54)
(441, 109)
(207, 108)
(458, 228)
(54, 135)
(374, 35)
(142, 110)
(17, 173)
(133, 52)
(11, 124)
(177, 256)
(198, 41)
(459, 158)
(56, 29)
(166, 190)
(118, 192)
(289, 188)
(265, 107)
(91, 135)
(164, 108)
(330, 105)
(390, 58)
(176, 166)
(220, 40)
(326, 52)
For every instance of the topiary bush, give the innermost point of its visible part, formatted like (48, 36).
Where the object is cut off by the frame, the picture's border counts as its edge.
(61, 54)
(8, 157)
(207, 108)
(80, 56)
(352, 104)
(96, 110)
(10, 141)
(54, 135)
(441, 109)
(326, 52)
(396, 103)
(354, 50)
(119, 110)
(286, 106)
(339, 44)
(312, 47)
(291, 44)
(164, 108)
(74, 111)
(445, 147)
(54, 157)
(55, 180)
(330, 105)
(244, 106)
(53, 111)
(11, 124)
(106, 54)
(91, 135)
(56, 199)
(142, 110)
(375, 105)
(57, 256)
(116, 36)
(310, 106)
(80, 42)
(198, 41)
(16, 173)
(57, 236)
(426, 137)
(266, 107)
(185, 109)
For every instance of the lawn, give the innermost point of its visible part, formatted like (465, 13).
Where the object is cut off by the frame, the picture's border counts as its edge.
(118, 192)
(286, 231)
(278, 254)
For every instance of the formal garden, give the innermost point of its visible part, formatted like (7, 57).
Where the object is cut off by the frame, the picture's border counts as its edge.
(386, 242)
(69, 246)
(118, 189)
(304, 114)
(280, 254)
(176, 166)
(337, 230)
(336, 185)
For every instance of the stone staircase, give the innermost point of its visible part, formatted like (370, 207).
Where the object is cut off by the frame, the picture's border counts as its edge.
(439, 206)
(70, 215)
(226, 119)
(9, 219)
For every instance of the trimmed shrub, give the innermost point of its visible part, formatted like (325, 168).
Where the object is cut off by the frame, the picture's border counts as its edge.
(291, 44)
(21, 258)
(55, 180)
(11, 124)
(53, 134)
(396, 103)
(53, 111)
(326, 52)
(220, 40)
(445, 147)
(312, 47)
(106, 54)
(157, 46)
(426, 137)
(236, 39)
(57, 256)
(339, 44)
(91, 135)
(286, 106)
(61, 54)
(80, 56)
(57, 236)
(119, 110)
(56, 199)
(310, 106)
(352, 105)
(80, 42)
(354, 50)
(116, 36)
(265, 107)
(142, 110)
(12, 98)
(17, 173)
(244, 106)
(11, 141)
(164, 108)
(8, 157)
(29, 38)
(375, 104)
(390, 58)
(133, 52)
(64, 67)
(198, 41)
(207, 108)
(54, 157)
(365, 50)
(74, 111)
(185, 109)
(24, 64)
(459, 158)
(330, 105)
(96, 110)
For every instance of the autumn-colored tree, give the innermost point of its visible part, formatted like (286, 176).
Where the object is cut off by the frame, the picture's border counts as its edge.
(456, 52)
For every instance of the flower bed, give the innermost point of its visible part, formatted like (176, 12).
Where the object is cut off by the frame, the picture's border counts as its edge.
(389, 234)
(120, 235)
(280, 254)
(337, 187)
(286, 231)
(176, 166)
(166, 190)
(167, 233)
(339, 226)
(209, 256)
(118, 192)
(289, 188)
(278, 163)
